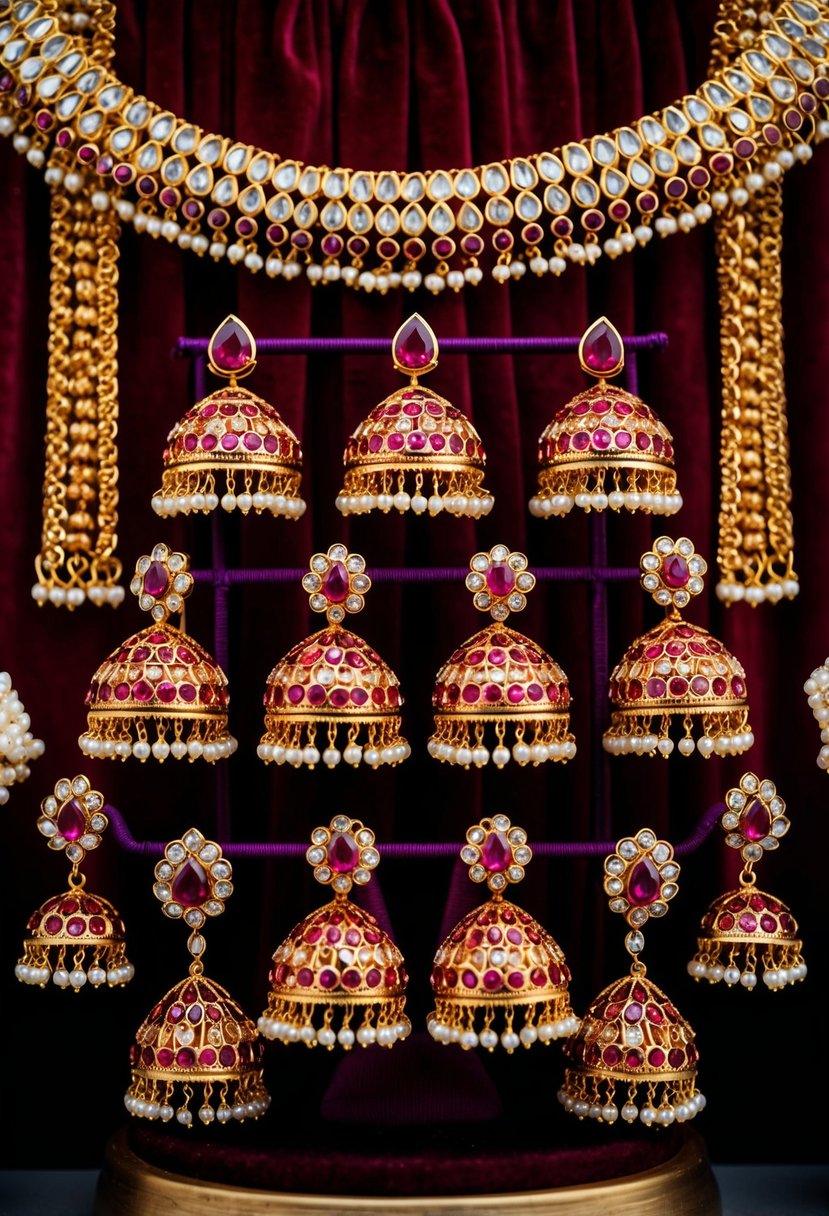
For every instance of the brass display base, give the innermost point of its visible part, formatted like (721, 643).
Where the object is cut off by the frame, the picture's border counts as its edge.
(682, 1186)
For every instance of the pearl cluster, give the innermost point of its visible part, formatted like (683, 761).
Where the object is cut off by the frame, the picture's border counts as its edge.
(773, 977)
(365, 1035)
(216, 749)
(277, 504)
(77, 978)
(454, 504)
(817, 690)
(544, 1032)
(754, 594)
(522, 753)
(352, 754)
(661, 1116)
(17, 744)
(650, 744)
(222, 1113)
(561, 504)
(73, 597)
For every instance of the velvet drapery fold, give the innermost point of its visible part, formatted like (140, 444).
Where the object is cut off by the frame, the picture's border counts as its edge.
(408, 85)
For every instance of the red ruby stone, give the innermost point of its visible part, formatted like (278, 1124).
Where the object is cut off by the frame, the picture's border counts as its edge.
(675, 571)
(335, 584)
(343, 853)
(71, 821)
(602, 349)
(496, 854)
(156, 580)
(231, 348)
(643, 884)
(190, 886)
(755, 821)
(500, 578)
(414, 346)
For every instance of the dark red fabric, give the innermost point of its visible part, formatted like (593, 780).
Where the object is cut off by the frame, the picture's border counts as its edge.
(368, 1161)
(421, 84)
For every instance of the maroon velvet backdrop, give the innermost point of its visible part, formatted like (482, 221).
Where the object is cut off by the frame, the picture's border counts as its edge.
(422, 84)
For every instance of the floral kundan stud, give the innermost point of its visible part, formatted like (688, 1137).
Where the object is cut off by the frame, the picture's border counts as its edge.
(634, 1049)
(196, 1046)
(159, 694)
(75, 937)
(499, 977)
(746, 929)
(338, 977)
(677, 671)
(500, 683)
(332, 697)
(232, 449)
(415, 451)
(606, 447)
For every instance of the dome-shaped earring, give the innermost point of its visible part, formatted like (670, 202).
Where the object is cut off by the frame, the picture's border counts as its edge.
(677, 670)
(74, 938)
(632, 1038)
(159, 694)
(746, 929)
(415, 451)
(332, 691)
(231, 449)
(338, 977)
(499, 681)
(499, 967)
(606, 447)
(196, 1040)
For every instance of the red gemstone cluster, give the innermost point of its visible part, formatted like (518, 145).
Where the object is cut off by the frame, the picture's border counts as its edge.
(232, 449)
(677, 671)
(74, 938)
(499, 977)
(196, 1040)
(338, 978)
(632, 1036)
(415, 452)
(160, 693)
(332, 697)
(606, 447)
(500, 681)
(745, 931)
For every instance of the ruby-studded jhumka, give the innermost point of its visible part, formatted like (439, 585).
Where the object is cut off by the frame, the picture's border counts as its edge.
(232, 448)
(746, 929)
(677, 670)
(332, 691)
(196, 1041)
(415, 451)
(500, 681)
(338, 977)
(632, 1038)
(75, 937)
(606, 447)
(499, 968)
(159, 694)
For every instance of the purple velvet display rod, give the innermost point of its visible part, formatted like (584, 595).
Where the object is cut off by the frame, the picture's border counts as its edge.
(430, 849)
(188, 347)
(416, 574)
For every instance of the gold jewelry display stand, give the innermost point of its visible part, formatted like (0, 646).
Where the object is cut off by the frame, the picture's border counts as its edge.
(682, 1186)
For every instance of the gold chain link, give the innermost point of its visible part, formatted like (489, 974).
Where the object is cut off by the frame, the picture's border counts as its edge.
(80, 488)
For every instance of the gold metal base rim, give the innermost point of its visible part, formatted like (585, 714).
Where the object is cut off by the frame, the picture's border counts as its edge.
(130, 1186)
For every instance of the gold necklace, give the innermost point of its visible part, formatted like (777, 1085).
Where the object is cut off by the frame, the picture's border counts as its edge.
(116, 156)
